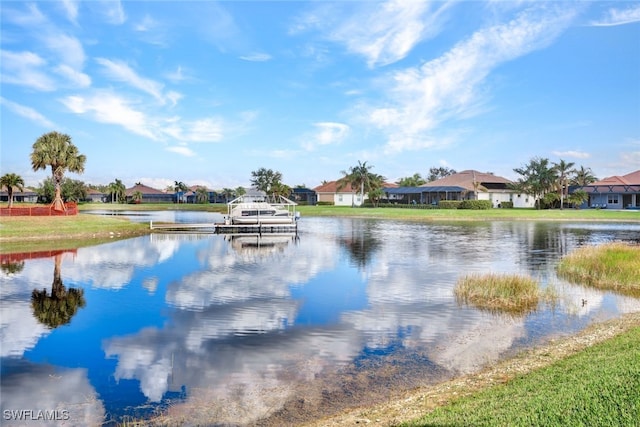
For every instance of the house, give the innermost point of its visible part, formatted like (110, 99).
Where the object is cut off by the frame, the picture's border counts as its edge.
(343, 194)
(96, 196)
(29, 195)
(149, 195)
(465, 185)
(304, 196)
(614, 192)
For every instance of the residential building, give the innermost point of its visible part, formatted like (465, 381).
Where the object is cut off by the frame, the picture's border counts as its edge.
(614, 192)
(149, 195)
(465, 185)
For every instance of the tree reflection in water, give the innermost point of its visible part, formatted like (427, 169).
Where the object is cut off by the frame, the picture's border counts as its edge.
(61, 305)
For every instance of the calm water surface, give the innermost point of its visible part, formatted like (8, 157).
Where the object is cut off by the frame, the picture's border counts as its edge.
(235, 329)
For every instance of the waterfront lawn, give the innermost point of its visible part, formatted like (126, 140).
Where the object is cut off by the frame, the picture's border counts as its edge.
(23, 234)
(597, 387)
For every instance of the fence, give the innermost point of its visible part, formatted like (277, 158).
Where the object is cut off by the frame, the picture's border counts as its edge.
(71, 209)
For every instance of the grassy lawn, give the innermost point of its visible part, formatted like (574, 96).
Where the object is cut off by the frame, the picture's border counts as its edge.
(599, 386)
(24, 234)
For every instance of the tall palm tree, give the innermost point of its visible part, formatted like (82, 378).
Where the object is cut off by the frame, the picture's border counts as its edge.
(563, 169)
(538, 178)
(202, 195)
(357, 176)
(583, 176)
(11, 180)
(179, 187)
(117, 190)
(228, 193)
(56, 150)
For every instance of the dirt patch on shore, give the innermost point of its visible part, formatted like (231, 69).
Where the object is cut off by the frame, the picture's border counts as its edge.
(419, 401)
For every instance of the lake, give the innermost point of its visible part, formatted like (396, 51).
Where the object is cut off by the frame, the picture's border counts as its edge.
(230, 329)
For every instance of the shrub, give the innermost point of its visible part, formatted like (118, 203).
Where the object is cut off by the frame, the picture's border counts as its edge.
(450, 204)
(325, 204)
(475, 204)
(506, 205)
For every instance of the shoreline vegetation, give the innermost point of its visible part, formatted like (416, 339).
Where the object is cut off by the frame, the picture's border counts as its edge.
(461, 401)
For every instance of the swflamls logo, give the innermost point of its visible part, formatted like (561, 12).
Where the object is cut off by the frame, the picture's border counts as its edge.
(35, 415)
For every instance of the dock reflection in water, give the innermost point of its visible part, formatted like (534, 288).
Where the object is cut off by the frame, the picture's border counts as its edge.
(233, 329)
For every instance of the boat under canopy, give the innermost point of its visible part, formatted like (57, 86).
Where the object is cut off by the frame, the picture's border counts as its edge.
(261, 210)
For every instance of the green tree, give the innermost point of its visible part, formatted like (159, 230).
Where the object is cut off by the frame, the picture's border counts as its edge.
(436, 173)
(280, 189)
(202, 195)
(228, 193)
(266, 180)
(117, 190)
(11, 180)
(71, 190)
(577, 198)
(179, 187)
(57, 151)
(411, 181)
(537, 178)
(563, 170)
(136, 196)
(358, 176)
(240, 191)
(583, 176)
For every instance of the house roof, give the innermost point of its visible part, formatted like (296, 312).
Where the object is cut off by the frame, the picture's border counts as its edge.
(422, 189)
(466, 180)
(332, 187)
(144, 189)
(616, 184)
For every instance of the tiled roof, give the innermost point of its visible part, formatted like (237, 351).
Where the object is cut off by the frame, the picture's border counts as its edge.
(466, 179)
(632, 178)
(144, 189)
(332, 187)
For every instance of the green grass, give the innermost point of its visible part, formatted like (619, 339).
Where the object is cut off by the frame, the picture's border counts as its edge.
(599, 386)
(24, 234)
(612, 266)
(510, 293)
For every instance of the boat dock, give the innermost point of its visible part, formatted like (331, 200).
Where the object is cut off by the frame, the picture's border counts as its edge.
(223, 228)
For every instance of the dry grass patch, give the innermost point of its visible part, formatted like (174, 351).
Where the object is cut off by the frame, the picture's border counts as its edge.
(611, 266)
(510, 293)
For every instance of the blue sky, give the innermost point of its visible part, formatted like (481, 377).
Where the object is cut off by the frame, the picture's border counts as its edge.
(206, 92)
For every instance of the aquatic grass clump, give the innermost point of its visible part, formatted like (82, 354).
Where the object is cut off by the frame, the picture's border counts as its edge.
(610, 266)
(510, 293)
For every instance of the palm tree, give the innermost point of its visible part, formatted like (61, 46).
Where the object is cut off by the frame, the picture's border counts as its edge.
(56, 150)
(563, 169)
(11, 180)
(179, 187)
(136, 196)
(538, 178)
(357, 176)
(583, 176)
(117, 190)
(202, 195)
(228, 193)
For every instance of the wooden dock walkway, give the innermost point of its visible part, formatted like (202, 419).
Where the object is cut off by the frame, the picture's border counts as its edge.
(220, 228)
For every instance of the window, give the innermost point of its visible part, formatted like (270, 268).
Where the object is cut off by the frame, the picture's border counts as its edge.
(339, 197)
(613, 199)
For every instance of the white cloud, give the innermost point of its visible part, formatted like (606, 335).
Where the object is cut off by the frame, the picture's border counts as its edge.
(106, 107)
(256, 57)
(572, 153)
(28, 113)
(177, 75)
(78, 78)
(119, 71)
(383, 33)
(147, 24)
(182, 150)
(67, 48)
(25, 69)
(619, 17)
(113, 12)
(327, 133)
(450, 86)
(71, 8)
